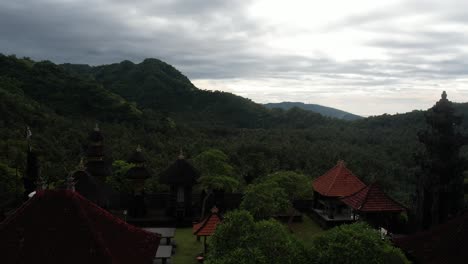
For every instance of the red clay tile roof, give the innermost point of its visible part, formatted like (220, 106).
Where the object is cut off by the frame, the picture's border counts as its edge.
(445, 243)
(63, 227)
(372, 199)
(208, 226)
(337, 182)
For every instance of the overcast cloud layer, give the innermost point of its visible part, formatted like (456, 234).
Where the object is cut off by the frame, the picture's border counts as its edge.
(366, 57)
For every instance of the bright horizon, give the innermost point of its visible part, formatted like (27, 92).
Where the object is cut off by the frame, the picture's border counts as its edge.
(365, 57)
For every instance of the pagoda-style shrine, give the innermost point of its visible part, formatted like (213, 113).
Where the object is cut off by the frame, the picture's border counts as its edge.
(207, 226)
(137, 175)
(439, 187)
(96, 165)
(336, 183)
(91, 175)
(181, 176)
(373, 205)
(61, 226)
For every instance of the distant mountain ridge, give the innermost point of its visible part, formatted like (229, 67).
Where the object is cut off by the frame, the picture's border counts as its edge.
(323, 110)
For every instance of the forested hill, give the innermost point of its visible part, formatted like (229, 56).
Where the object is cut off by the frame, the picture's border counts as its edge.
(323, 110)
(156, 85)
(154, 105)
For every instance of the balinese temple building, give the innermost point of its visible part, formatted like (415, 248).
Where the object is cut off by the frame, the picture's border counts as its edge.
(444, 243)
(207, 226)
(336, 183)
(374, 206)
(96, 164)
(181, 176)
(61, 226)
(86, 184)
(90, 178)
(137, 175)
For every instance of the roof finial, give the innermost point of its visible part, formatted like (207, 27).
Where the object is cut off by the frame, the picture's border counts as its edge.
(341, 163)
(28, 133)
(444, 95)
(81, 166)
(41, 183)
(181, 154)
(138, 149)
(28, 137)
(214, 210)
(70, 182)
(96, 127)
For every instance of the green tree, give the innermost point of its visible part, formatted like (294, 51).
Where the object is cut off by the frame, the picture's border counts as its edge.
(216, 173)
(354, 244)
(239, 239)
(295, 185)
(118, 180)
(11, 186)
(264, 199)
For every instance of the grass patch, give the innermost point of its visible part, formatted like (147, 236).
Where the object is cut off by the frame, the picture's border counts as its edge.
(306, 230)
(187, 247)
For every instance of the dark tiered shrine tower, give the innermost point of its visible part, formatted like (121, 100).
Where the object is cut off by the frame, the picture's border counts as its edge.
(137, 175)
(181, 176)
(439, 193)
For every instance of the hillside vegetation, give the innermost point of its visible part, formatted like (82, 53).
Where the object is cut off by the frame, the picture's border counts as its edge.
(154, 105)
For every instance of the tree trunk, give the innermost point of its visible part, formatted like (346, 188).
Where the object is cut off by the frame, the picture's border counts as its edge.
(204, 204)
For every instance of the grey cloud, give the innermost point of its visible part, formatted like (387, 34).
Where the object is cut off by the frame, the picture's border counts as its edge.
(217, 40)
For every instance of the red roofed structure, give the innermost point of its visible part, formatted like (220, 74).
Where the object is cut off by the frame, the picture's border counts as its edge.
(445, 243)
(328, 189)
(208, 226)
(63, 227)
(372, 199)
(373, 205)
(338, 182)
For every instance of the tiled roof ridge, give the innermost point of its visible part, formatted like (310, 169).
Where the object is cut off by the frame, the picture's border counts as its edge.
(377, 185)
(20, 210)
(204, 222)
(337, 173)
(97, 235)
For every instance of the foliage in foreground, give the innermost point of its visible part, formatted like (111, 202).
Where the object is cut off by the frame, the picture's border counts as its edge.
(355, 243)
(241, 239)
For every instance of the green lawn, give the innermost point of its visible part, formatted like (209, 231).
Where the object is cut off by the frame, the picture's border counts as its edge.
(306, 230)
(187, 246)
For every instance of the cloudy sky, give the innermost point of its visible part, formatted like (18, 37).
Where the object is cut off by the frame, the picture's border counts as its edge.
(364, 56)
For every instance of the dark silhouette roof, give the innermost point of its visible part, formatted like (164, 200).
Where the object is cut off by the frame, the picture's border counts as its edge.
(98, 168)
(96, 135)
(95, 151)
(338, 182)
(208, 226)
(137, 157)
(372, 199)
(445, 243)
(138, 173)
(181, 172)
(63, 227)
